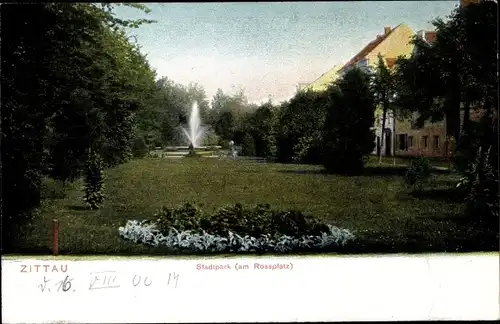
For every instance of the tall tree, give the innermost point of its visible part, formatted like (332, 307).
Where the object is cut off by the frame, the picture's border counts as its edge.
(66, 69)
(384, 89)
(301, 120)
(348, 136)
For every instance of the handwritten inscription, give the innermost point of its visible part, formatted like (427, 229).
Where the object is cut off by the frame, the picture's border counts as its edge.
(103, 280)
(245, 266)
(173, 278)
(108, 280)
(63, 285)
(138, 280)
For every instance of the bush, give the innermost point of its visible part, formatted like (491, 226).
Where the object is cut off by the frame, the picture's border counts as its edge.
(248, 145)
(186, 217)
(271, 152)
(347, 135)
(227, 219)
(210, 138)
(53, 189)
(481, 185)
(257, 221)
(94, 181)
(139, 147)
(295, 223)
(308, 150)
(301, 149)
(418, 171)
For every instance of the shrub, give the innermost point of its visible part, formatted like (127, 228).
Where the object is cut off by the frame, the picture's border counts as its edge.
(210, 138)
(418, 171)
(186, 217)
(227, 219)
(52, 189)
(248, 145)
(295, 223)
(94, 181)
(139, 147)
(257, 221)
(308, 150)
(480, 182)
(301, 149)
(271, 152)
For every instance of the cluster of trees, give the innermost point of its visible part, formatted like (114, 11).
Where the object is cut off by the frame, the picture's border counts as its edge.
(456, 78)
(78, 96)
(73, 85)
(453, 78)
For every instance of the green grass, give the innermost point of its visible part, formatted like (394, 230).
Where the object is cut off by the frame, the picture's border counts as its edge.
(405, 160)
(385, 215)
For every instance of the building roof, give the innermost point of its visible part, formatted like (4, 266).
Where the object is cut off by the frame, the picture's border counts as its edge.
(333, 69)
(370, 47)
(430, 36)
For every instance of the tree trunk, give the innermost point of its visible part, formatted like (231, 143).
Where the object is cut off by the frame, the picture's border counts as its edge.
(394, 136)
(465, 122)
(384, 115)
(452, 115)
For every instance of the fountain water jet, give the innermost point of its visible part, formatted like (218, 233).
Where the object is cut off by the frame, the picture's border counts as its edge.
(195, 131)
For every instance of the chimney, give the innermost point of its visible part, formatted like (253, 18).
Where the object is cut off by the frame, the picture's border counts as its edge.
(387, 30)
(465, 3)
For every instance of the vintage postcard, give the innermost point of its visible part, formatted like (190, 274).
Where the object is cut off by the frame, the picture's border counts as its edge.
(254, 161)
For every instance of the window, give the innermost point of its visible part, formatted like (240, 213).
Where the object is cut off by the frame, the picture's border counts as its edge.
(410, 141)
(424, 141)
(402, 142)
(435, 142)
(362, 63)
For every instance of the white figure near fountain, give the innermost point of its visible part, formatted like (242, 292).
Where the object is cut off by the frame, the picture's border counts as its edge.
(195, 132)
(232, 149)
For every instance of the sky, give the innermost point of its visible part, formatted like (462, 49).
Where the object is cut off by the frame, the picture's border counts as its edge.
(266, 49)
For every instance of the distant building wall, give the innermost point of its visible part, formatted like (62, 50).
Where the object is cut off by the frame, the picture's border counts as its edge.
(430, 140)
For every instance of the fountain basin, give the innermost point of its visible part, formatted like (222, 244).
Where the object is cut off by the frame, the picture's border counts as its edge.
(186, 148)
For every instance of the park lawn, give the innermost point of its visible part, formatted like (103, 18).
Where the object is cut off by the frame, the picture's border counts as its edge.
(384, 214)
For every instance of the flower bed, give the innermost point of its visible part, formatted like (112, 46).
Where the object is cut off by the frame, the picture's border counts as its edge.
(235, 229)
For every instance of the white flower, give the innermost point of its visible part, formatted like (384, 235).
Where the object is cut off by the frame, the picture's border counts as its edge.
(147, 233)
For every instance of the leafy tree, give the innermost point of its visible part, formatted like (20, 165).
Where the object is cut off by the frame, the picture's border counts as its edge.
(94, 180)
(228, 115)
(384, 89)
(301, 117)
(70, 81)
(168, 109)
(224, 126)
(458, 67)
(261, 125)
(348, 137)
(248, 145)
(460, 70)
